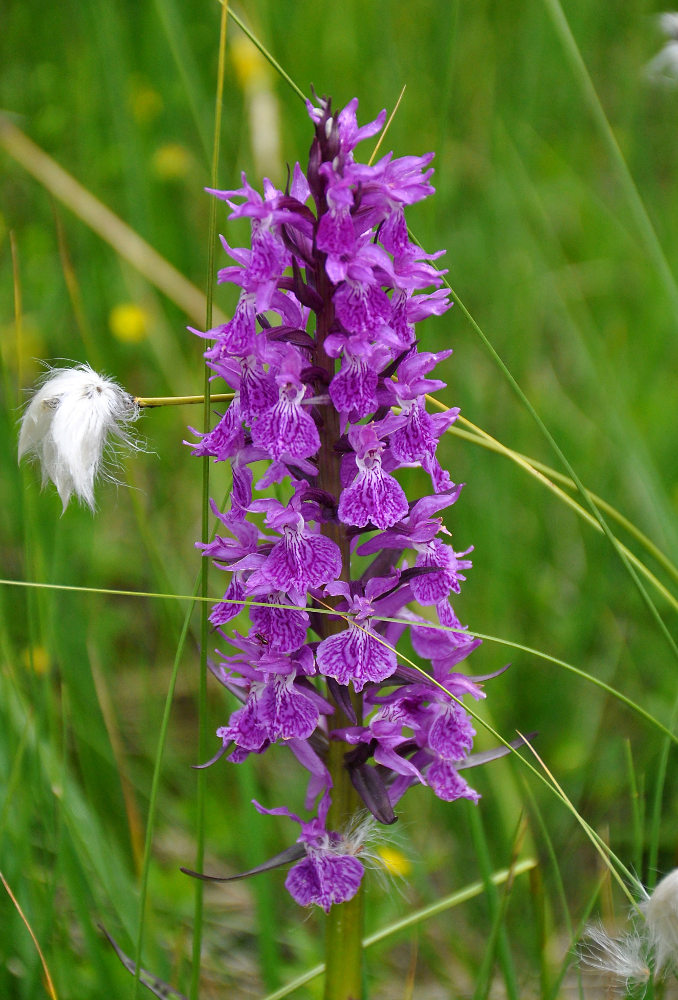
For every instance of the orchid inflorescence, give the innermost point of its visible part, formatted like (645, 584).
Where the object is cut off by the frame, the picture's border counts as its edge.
(340, 281)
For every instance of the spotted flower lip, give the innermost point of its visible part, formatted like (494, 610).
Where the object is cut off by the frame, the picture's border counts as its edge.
(328, 874)
(72, 418)
(330, 391)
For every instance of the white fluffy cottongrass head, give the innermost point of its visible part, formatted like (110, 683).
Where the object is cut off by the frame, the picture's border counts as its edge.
(624, 959)
(661, 915)
(663, 69)
(651, 949)
(69, 423)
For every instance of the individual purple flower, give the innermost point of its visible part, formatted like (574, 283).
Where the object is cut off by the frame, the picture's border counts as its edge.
(286, 428)
(434, 587)
(226, 439)
(284, 629)
(374, 496)
(236, 337)
(354, 388)
(356, 655)
(302, 559)
(360, 302)
(328, 874)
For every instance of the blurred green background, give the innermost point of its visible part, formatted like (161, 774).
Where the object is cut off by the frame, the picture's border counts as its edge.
(545, 248)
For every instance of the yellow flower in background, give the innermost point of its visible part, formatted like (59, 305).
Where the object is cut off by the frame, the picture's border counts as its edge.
(128, 322)
(394, 861)
(36, 658)
(171, 162)
(248, 62)
(145, 103)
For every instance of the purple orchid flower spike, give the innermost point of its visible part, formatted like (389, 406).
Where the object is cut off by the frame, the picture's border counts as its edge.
(330, 403)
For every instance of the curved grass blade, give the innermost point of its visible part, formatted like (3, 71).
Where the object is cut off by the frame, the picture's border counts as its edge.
(613, 692)
(48, 979)
(156, 986)
(264, 51)
(525, 463)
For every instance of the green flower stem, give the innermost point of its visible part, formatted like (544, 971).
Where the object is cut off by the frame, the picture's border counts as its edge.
(344, 924)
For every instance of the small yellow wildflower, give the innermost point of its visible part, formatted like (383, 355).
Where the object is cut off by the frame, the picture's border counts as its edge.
(171, 162)
(36, 658)
(248, 62)
(145, 103)
(394, 861)
(128, 322)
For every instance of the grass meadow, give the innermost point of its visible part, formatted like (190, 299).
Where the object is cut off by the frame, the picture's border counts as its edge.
(557, 202)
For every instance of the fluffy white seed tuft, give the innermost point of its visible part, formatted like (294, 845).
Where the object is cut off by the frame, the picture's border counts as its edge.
(650, 950)
(623, 958)
(661, 914)
(68, 425)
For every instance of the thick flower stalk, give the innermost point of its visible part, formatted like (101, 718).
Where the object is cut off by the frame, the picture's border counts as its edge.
(330, 387)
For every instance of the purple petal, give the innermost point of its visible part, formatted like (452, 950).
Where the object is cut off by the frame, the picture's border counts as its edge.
(325, 879)
(417, 438)
(258, 391)
(447, 784)
(285, 711)
(226, 439)
(237, 336)
(245, 728)
(354, 388)
(373, 496)
(451, 735)
(227, 609)
(361, 308)
(300, 562)
(357, 656)
(283, 629)
(286, 429)
(335, 232)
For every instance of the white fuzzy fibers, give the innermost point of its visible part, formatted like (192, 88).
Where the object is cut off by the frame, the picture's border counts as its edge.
(651, 949)
(68, 424)
(661, 914)
(625, 958)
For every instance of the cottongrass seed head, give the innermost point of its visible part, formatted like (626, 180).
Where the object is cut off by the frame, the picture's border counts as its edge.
(624, 959)
(661, 914)
(69, 424)
(651, 949)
